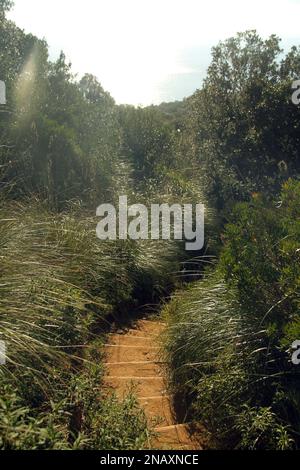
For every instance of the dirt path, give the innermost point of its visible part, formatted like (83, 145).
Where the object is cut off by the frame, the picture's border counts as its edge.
(132, 357)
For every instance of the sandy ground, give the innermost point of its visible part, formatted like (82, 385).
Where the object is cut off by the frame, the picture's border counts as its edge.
(132, 358)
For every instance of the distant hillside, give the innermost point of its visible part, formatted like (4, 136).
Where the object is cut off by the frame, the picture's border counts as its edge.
(174, 112)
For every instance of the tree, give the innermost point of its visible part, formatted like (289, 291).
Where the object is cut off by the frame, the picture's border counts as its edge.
(62, 137)
(5, 5)
(246, 130)
(147, 138)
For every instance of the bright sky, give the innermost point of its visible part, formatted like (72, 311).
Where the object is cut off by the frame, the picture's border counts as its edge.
(149, 51)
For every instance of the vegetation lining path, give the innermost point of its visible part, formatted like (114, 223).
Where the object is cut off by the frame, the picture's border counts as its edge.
(132, 358)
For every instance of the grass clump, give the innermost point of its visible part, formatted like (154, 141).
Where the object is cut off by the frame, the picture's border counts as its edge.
(58, 286)
(79, 417)
(220, 365)
(230, 335)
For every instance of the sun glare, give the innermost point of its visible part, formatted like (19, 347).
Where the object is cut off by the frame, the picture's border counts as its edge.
(136, 48)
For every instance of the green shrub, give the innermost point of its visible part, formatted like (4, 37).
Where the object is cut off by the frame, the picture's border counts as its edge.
(218, 362)
(228, 343)
(20, 430)
(79, 417)
(260, 429)
(58, 281)
(260, 258)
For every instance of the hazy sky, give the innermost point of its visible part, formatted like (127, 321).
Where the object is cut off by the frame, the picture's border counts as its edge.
(148, 51)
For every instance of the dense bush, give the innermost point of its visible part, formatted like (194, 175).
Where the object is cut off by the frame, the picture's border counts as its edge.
(229, 344)
(261, 259)
(59, 286)
(66, 147)
(244, 126)
(59, 138)
(219, 366)
(79, 416)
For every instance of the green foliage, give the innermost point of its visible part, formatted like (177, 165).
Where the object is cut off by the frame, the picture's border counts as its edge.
(60, 138)
(229, 347)
(174, 113)
(260, 429)
(250, 258)
(147, 139)
(79, 417)
(119, 425)
(21, 431)
(65, 282)
(5, 5)
(218, 364)
(261, 258)
(245, 126)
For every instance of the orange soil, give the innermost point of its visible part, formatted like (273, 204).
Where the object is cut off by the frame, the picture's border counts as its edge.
(132, 358)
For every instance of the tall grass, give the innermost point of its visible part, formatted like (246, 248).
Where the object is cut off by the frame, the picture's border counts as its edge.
(59, 285)
(219, 364)
(57, 281)
(53, 278)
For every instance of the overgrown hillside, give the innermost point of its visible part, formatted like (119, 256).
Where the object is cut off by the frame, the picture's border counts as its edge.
(66, 148)
(230, 335)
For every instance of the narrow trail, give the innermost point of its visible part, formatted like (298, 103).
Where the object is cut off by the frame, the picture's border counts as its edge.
(132, 357)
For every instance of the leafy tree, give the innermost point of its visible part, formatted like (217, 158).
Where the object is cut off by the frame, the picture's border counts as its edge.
(5, 5)
(246, 129)
(147, 139)
(62, 136)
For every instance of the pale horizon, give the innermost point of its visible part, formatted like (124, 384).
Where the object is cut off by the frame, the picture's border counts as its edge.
(146, 52)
